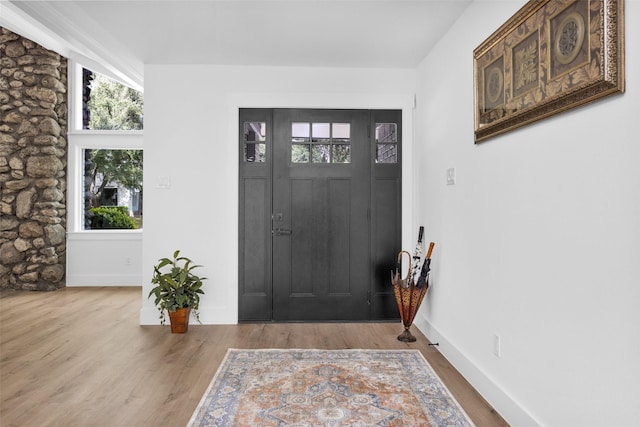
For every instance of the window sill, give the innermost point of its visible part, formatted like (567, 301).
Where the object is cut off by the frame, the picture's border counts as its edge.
(105, 132)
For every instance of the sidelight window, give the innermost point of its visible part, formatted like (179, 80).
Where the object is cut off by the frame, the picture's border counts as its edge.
(386, 143)
(255, 138)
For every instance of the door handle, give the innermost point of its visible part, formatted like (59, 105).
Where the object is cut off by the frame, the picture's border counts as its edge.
(280, 232)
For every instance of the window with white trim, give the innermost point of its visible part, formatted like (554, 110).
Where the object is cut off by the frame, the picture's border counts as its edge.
(105, 154)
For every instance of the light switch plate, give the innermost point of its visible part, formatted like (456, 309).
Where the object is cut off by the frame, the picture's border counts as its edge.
(164, 182)
(497, 345)
(451, 176)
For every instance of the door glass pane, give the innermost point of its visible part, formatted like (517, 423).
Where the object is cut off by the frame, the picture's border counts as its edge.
(341, 132)
(320, 153)
(299, 153)
(255, 136)
(386, 153)
(386, 132)
(300, 132)
(320, 132)
(386, 139)
(329, 142)
(341, 153)
(255, 131)
(254, 152)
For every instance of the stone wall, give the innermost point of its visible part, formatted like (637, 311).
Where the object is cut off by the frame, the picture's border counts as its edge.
(33, 164)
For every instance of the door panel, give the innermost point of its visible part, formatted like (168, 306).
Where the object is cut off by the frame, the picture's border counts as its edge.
(385, 223)
(339, 253)
(254, 238)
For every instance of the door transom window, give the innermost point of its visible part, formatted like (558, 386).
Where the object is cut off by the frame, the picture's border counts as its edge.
(320, 142)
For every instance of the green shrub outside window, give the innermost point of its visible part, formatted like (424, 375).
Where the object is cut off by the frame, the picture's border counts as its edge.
(111, 217)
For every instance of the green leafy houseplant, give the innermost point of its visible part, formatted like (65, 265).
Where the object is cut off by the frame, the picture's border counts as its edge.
(176, 285)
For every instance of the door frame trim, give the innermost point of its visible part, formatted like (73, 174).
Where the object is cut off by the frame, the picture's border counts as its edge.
(356, 101)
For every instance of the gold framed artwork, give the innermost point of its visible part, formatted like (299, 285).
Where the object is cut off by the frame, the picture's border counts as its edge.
(551, 56)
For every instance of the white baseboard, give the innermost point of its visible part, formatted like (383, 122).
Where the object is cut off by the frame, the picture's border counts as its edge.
(498, 398)
(76, 280)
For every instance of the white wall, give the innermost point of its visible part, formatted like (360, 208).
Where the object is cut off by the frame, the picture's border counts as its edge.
(191, 142)
(104, 258)
(538, 242)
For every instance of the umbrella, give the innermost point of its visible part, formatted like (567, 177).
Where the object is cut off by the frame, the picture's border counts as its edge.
(395, 278)
(417, 256)
(423, 280)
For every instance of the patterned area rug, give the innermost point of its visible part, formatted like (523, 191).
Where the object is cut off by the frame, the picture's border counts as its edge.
(327, 388)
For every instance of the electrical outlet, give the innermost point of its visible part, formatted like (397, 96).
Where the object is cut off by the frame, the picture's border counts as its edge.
(497, 350)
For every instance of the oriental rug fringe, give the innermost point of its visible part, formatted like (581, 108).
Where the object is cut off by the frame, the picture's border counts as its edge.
(327, 388)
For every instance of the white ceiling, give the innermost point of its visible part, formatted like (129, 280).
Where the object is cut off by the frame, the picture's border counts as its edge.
(122, 36)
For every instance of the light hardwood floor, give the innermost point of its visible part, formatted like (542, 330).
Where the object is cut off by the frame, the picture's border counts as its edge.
(78, 357)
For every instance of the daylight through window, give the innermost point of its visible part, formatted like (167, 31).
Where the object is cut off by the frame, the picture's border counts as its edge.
(111, 166)
(113, 189)
(109, 105)
(320, 142)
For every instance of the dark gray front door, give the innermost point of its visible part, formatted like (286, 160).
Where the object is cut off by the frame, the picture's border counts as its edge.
(319, 214)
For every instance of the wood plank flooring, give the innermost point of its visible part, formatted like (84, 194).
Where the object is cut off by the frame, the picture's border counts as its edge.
(78, 357)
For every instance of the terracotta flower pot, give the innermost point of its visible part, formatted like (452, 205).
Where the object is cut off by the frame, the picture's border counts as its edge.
(180, 320)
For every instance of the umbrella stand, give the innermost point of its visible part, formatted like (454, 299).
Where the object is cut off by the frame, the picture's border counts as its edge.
(409, 294)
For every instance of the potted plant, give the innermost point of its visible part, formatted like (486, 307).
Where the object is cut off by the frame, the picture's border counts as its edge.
(177, 290)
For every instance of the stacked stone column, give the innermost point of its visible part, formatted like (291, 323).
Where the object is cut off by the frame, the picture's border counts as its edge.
(33, 159)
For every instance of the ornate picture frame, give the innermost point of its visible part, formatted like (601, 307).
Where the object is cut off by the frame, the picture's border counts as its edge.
(551, 56)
